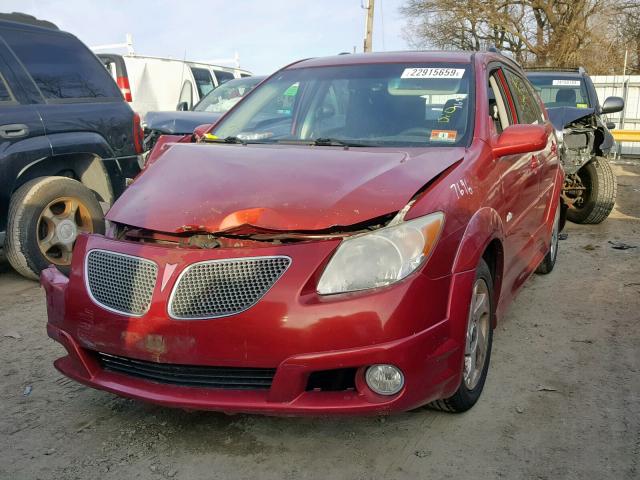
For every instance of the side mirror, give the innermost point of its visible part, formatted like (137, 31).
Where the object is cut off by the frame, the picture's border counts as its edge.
(518, 139)
(612, 105)
(183, 107)
(200, 130)
(611, 125)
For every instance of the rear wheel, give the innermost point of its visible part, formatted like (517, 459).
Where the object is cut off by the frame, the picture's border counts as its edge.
(46, 215)
(478, 341)
(591, 192)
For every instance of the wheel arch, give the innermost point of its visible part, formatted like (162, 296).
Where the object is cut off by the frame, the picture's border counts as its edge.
(483, 239)
(87, 168)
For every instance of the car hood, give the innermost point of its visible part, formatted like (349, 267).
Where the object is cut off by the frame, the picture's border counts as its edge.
(214, 188)
(562, 116)
(178, 122)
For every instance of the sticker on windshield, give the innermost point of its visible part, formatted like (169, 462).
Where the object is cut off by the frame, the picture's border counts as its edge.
(432, 73)
(566, 83)
(448, 136)
(582, 105)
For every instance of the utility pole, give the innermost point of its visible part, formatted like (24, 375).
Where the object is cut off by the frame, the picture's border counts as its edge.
(368, 32)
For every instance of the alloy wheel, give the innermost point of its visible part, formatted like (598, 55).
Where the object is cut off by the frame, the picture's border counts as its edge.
(477, 340)
(58, 227)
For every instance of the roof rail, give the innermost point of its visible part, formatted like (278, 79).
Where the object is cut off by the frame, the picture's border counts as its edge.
(25, 19)
(580, 70)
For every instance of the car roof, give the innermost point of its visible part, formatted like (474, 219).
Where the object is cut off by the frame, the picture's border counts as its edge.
(27, 22)
(417, 56)
(386, 57)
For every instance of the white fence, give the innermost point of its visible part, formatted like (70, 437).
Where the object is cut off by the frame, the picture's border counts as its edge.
(627, 87)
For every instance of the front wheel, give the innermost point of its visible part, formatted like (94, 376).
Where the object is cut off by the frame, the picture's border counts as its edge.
(549, 260)
(478, 341)
(591, 192)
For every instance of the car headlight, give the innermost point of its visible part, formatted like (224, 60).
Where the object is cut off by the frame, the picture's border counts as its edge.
(381, 257)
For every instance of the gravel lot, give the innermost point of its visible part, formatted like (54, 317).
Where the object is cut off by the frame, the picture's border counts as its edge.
(562, 399)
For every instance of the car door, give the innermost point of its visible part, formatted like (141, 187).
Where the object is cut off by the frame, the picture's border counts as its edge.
(545, 161)
(22, 136)
(519, 186)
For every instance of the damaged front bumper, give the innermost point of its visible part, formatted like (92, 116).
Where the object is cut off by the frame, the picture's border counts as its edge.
(291, 335)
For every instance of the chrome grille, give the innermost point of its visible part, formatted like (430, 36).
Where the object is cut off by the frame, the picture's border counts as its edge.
(224, 287)
(119, 282)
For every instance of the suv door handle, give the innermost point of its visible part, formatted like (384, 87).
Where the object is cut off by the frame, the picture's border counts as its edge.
(14, 130)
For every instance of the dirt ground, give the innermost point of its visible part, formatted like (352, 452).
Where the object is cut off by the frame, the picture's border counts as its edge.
(562, 400)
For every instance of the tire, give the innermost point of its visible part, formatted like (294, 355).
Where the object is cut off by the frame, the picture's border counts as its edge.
(600, 194)
(549, 260)
(34, 209)
(468, 394)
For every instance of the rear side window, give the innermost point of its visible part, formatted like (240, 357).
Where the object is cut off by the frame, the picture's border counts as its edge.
(223, 76)
(526, 104)
(204, 82)
(61, 66)
(5, 94)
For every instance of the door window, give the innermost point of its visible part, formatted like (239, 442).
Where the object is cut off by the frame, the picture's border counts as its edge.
(204, 82)
(61, 66)
(498, 109)
(526, 104)
(5, 94)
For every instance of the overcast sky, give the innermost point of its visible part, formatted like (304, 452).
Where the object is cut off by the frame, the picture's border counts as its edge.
(267, 34)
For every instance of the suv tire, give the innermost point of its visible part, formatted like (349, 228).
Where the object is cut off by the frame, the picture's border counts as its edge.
(600, 194)
(49, 211)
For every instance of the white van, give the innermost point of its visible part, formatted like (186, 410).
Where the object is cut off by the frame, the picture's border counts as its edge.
(153, 83)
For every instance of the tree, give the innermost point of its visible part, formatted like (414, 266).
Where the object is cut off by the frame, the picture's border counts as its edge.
(558, 33)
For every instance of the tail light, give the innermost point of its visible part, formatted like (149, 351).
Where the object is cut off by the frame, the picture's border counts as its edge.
(123, 83)
(138, 134)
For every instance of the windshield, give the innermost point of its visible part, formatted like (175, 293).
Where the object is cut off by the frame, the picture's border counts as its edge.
(358, 105)
(561, 90)
(227, 95)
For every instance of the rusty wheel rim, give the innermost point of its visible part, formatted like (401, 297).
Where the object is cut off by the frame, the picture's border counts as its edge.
(59, 224)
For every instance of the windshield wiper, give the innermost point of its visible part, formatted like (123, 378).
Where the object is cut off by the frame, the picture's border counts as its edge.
(229, 139)
(334, 142)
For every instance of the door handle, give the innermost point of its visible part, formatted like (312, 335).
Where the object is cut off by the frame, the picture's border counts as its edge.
(14, 130)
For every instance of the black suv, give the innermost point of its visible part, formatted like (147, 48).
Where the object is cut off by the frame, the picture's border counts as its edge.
(68, 143)
(584, 140)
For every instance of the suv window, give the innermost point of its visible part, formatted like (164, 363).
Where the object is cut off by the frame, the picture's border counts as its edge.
(61, 66)
(526, 104)
(204, 82)
(223, 76)
(5, 94)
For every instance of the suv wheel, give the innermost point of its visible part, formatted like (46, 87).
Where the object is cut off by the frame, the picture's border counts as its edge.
(597, 195)
(46, 215)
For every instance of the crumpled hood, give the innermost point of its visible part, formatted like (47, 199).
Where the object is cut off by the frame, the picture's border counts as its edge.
(178, 122)
(562, 116)
(213, 188)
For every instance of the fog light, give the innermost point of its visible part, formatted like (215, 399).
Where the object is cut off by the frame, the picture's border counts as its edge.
(384, 379)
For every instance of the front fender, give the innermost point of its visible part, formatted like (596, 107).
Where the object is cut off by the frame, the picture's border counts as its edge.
(484, 227)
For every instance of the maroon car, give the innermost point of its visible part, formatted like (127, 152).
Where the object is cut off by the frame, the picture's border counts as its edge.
(343, 240)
